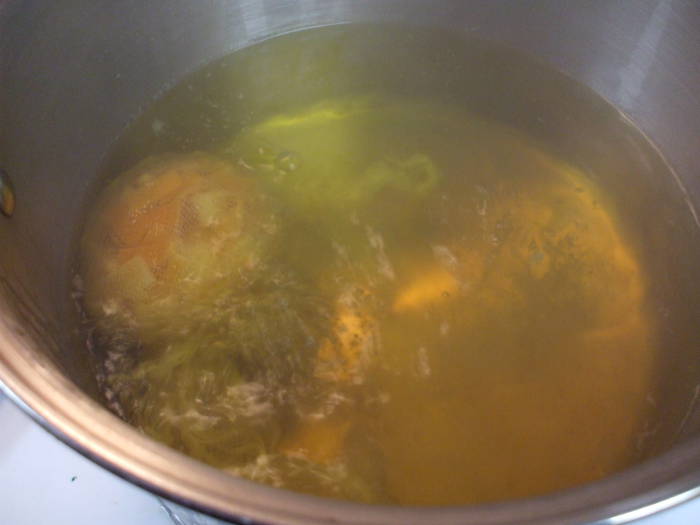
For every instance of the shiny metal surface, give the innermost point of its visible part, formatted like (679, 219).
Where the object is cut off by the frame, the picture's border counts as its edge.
(7, 194)
(75, 72)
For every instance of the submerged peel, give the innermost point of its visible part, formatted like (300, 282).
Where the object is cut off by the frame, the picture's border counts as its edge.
(320, 441)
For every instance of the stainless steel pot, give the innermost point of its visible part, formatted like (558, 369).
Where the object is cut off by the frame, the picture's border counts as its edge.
(75, 72)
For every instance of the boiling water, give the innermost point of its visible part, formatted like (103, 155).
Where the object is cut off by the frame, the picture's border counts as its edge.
(377, 296)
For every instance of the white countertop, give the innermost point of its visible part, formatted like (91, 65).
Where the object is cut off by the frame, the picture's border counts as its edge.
(43, 481)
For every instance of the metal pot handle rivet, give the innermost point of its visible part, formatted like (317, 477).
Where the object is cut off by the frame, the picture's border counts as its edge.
(7, 194)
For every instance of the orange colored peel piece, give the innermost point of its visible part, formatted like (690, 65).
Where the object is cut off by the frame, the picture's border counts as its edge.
(145, 219)
(320, 441)
(436, 285)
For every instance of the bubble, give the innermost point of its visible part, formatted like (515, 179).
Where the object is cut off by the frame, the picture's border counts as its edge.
(287, 161)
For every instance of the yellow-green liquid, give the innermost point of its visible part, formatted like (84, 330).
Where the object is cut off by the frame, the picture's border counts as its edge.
(408, 304)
